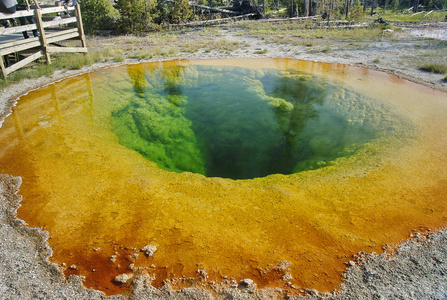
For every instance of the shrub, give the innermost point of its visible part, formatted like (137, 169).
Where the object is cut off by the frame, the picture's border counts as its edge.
(98, 15)
(356, 14)
(174, 12)
(135, 15)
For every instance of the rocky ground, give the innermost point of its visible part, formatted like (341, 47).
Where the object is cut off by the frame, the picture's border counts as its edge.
(417, 269)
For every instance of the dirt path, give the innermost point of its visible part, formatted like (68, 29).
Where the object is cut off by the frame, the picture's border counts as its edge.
(416, 271)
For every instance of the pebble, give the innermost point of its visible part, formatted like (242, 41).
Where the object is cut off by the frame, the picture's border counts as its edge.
(123, 278)
(203, 273)
(133, 256)
(149, 250)
(283, 265)
(247, 281)
(287, 277)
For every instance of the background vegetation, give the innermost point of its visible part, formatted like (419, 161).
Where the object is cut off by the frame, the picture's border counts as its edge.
(144, 15)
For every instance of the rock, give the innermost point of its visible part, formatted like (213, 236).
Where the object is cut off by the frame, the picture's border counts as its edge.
(133, 256)
(149, 250)
(287, 277)
(203, 273)
(247, 284)
(233, 284)
(283, 265)
(123, 278)
(312, 292)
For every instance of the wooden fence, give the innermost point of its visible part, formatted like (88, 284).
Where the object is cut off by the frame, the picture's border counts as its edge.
(16, 52)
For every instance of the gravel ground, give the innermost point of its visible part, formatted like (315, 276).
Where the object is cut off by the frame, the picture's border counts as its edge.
(417, 269)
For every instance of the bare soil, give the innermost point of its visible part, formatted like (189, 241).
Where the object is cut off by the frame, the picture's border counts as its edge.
(417, 269)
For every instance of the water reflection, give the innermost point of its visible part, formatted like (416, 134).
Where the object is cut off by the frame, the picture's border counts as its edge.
(237, 123)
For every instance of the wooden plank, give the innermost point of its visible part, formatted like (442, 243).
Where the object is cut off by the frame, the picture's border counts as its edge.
(20, 46)
(28, 43)
(19, 13)
(66, 49)
(80, 26)
(18, 29)
(2, 67)
(42, 37)
(55, 9)
(61, 32)
(63, 37)
(11, 30)
(24, 62)
(44, 11)
(14, 43)
(59, 22)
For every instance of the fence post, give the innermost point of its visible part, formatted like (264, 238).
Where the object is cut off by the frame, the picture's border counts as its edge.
(2, 67)
(43, 40)
(80, 25)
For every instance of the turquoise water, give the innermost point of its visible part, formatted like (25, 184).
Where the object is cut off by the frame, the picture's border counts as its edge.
(240, 123)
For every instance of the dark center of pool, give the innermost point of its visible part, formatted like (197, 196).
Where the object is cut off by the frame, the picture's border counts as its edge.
(238, 123)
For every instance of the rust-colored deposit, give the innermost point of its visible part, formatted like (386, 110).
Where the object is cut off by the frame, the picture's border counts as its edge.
(102, 202)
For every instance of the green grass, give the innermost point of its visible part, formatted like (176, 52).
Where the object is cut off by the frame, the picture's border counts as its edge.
(36, 71)
(262, 51)
(75, 61)
(296, 33)
(64, 61)
(426, 16)
(435, 68)
(118, 57)
(142, 54)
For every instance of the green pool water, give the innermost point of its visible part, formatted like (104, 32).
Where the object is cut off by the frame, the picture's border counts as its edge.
(240, 123)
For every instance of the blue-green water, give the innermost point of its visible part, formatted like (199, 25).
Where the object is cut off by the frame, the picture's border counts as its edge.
(241, 123)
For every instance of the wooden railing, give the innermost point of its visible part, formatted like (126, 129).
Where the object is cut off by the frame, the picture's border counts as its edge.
(25, 51)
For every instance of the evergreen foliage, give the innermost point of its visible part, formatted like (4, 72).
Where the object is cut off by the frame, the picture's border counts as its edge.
(98, 15)
(172, 12)
(356, 14)
(135, 15)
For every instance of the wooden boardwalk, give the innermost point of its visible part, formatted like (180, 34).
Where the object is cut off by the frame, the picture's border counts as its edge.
(16, 52)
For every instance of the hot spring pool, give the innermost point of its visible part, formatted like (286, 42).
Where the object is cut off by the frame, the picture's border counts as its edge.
(275, 170)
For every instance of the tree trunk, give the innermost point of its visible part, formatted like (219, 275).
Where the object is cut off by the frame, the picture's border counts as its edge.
(347, 7)
(291, 10)
(415, 6)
